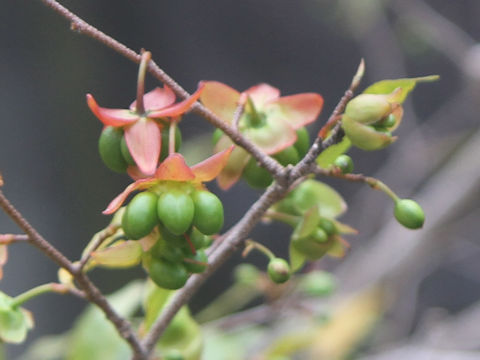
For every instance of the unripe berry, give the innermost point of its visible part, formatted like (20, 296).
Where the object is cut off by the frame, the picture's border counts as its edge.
(409, 214)
(109, 147)
(303, 142)
(140, 216)
(256, 176)
(208, 216)
(167, 274)
(175, 209)
(344, 163)
(278, 270)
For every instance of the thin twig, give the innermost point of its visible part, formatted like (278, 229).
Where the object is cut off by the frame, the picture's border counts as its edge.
(92, 293)
(82, 27)
(6, 239)
(101, 237)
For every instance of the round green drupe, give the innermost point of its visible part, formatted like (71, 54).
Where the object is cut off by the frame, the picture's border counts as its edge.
(278, 270)
(303, 142)
(192, 267)
(167, 274)
(409, 214)
(287, 156)
(256, 176)
(328, 226)
(175, 209)
(109, 147)
(140, 216)
(165, 250)
(208, 217)
(344, 163)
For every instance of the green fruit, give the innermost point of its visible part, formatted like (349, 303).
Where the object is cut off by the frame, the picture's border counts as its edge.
(140, 216)
(193, 267)
(165, 141)
(256, 176)
(328, 226)
(287, 156)
(319, 235)
(409, 214)
(208, 218)
(126, 152)
(311, 248)
(217, 134)
(197, 238)
(167, 274)
(109, 148)
(344, 163)
(278, 270)
(164, 250)
(175, 209)
(172, 239)
(303, 142)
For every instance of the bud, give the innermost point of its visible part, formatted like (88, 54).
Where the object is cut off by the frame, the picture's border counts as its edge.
(278, 270)
(409, 214)
(368, 108)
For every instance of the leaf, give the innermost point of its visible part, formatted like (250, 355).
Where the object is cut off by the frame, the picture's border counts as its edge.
(297, 259)
(312, 192)
(339, 247)
(14, 321)
(328, 156)
(308, 224)
(122, 254)
(407, 85)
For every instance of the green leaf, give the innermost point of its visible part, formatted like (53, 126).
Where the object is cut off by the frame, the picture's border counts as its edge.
(297, 259)
(407, 85)
(14, 321)
(308, 224)
(122, 254)
(328, 156)
(311, 193)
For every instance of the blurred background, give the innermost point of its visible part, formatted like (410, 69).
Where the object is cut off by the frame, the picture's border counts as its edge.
(430, 279)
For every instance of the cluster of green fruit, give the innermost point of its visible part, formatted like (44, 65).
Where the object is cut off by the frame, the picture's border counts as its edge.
(184, 217)
(174, 257)
(114, 151)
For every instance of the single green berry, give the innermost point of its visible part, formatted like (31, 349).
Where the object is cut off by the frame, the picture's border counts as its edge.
(409, 214)
(303, 142)
(172, 239)
(287, 156)
(208, 217)
(344, 163)
(328, 226)
(256, 176)
(175, 209)
(140, 216)
(126, 152)
(166, 140)
(109, 147)
(200, 262)
(278, 270)
(167, 274)
(319, 235)
(217, 134)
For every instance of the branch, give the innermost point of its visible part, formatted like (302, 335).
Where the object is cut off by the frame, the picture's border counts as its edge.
(92, 293)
